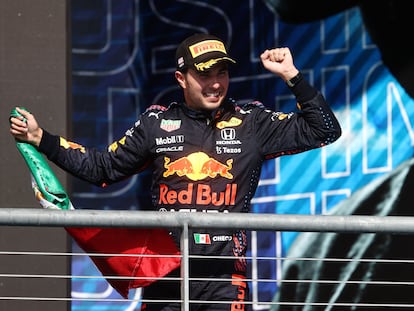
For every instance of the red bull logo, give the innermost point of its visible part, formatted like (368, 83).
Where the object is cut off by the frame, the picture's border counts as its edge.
(71, 145)
(198, 166)
(181, 167)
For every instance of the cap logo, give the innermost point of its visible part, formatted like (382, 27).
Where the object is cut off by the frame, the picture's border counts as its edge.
(180, 62)
(207, 46)
(210, 63)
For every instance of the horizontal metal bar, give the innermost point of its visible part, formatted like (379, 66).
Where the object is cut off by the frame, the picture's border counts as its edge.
(259, 222)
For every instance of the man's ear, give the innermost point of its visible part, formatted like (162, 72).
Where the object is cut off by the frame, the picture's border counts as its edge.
(179, 76)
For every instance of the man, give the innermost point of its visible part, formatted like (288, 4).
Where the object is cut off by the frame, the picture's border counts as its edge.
(206, 155)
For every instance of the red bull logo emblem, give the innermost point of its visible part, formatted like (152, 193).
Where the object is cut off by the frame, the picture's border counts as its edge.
(198, 166)
(71, 145)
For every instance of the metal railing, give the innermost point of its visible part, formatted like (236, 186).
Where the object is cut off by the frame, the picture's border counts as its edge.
(255, 222)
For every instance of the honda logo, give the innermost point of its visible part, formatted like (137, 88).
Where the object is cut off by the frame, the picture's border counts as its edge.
(228, 134)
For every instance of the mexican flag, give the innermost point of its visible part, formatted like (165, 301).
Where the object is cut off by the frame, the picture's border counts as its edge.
(202, 238)
(144, 254)
(139, 256)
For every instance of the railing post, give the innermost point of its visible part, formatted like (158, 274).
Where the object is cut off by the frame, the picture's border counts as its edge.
(185, 275)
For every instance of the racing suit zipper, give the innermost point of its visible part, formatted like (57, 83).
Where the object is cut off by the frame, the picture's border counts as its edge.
(207, 134)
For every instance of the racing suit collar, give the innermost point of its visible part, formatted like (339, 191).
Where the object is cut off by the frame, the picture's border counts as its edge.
(211, 115)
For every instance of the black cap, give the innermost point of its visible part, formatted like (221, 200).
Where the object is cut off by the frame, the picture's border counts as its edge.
(202, 51)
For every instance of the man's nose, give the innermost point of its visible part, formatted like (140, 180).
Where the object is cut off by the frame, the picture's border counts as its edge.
(215, 84)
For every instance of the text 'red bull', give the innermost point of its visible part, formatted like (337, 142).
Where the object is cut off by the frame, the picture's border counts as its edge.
(200, 194)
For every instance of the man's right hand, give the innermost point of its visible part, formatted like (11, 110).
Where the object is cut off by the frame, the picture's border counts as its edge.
(280, 62)
(25, 128)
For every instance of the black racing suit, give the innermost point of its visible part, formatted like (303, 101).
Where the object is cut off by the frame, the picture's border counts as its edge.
(204, 162)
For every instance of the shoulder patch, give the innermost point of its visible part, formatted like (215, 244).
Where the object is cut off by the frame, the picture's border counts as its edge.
(155, 111)
(249, 106)
(253, 104)
(156, 108)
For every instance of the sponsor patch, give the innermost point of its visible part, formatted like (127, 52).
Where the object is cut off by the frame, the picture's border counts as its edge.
(198, 166)
(199, 194)
(71, 145)
(177, 139)
(231, 123)
(114, 145)
(206, 46)
(170, 125)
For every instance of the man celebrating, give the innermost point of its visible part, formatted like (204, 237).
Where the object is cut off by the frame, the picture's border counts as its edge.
(206, 154)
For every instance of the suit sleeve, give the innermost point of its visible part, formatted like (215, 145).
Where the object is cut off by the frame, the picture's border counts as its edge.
(314, 125)
(123, 158)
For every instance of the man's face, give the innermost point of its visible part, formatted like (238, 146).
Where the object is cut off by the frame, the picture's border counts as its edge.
(204, 90)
